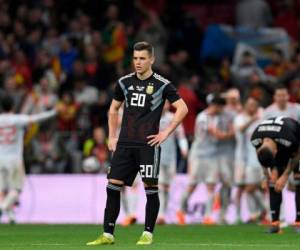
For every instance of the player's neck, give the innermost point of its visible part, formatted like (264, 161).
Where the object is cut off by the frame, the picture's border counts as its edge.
(282, 106)
(145, 75)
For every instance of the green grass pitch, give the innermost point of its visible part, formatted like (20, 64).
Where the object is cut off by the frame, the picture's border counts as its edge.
(190, 237)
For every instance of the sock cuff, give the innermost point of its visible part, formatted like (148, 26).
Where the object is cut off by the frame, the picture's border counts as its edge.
(151, 190)
(115, 187)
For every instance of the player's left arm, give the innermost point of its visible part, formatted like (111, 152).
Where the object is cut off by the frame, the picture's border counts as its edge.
(293, 163)
(181, 112)
(182, 140)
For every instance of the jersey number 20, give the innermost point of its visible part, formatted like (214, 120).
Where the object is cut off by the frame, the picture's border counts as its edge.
(138, 100)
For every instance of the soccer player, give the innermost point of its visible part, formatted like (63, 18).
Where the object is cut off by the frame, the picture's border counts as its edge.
(248, 173)
(281, 105)
(168, 159)
(203, 165)
(138, 147)
(12, 128)
(277, 146)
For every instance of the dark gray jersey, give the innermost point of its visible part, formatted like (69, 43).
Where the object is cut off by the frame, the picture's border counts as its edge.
(144, 101)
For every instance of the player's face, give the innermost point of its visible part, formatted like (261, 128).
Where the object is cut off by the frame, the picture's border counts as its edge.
(281, 97)
(142, 61)
(251, 106)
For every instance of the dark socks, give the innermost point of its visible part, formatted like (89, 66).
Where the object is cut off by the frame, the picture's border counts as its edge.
(112, 208)
(152, 208)
(297, 200)
(275, 202)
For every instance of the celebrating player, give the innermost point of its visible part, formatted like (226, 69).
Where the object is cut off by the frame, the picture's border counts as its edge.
(12, 128)
(137, 149)
(277, 146)
(248, 173)
(168, 159)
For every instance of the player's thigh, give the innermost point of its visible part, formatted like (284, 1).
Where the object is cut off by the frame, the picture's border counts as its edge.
(253, 175)
(17, 177)
(148, 162)
(166, 172)
(225, 165)
(209, 170)
(194, 170)
(239, 173)
(123, 166)
(3, 179)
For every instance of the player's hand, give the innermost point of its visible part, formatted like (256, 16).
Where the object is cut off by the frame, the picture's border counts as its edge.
(265, 184)
(280, 183)
(112, 144)
(184, 154)
(158, 139)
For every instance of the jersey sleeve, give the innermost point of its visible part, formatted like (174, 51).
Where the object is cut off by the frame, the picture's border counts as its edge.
(118, 93)
(170, 93)
(238, 122)
(256, 139)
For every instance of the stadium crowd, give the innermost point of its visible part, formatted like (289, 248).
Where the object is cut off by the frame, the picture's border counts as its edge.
(69, 54)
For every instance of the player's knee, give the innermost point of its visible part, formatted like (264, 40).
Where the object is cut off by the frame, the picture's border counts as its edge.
(250, 188)
(150, 185)
(117, 182)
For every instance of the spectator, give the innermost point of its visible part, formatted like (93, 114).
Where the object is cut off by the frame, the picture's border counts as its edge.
(95, 152)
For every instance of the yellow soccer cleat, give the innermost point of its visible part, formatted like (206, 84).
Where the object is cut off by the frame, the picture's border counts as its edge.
(145, 239)
(102, 240)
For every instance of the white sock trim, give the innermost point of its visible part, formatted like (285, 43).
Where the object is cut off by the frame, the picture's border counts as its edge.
(108, 235)
(148, 234)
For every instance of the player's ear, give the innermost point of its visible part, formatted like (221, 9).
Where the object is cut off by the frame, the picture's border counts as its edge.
(152, 60)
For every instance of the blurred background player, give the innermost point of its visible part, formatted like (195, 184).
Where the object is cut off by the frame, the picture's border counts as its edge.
(226, 146)
(248, 173)
(281, 105)
(277, 146)
(12, 127)
(202, 160)
(168, 160)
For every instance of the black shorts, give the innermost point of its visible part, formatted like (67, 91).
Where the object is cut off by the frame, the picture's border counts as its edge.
(128, 161)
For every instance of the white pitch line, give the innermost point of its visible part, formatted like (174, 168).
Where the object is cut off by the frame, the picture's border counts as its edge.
(229, 245)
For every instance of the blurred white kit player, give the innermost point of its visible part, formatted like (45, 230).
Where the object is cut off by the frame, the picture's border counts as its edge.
(203, 163)
(168, 159)
(12, 127)
(282, 107)
(248, 172)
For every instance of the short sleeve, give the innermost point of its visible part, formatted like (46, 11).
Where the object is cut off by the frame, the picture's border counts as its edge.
(170, 93)
(118, 93)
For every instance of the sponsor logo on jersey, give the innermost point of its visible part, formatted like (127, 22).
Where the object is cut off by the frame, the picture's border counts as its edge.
(131, 88)
(140, 88)
(150, 89)
(269, 128)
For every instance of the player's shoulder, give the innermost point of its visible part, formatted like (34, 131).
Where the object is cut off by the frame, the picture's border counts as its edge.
(293, 105)
(270, 108)
(202, 116)
(127, 77)
(160, 79)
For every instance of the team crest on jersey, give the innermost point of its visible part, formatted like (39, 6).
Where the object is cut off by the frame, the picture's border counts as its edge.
(150, 89)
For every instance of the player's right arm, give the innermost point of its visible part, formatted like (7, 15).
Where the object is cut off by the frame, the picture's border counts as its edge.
(113, 117)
